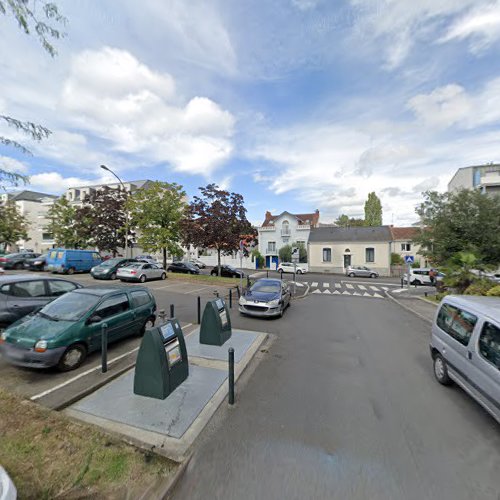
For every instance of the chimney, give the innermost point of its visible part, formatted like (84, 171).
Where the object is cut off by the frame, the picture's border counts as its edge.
(268, 214)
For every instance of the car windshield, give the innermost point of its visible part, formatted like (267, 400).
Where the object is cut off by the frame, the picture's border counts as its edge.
(265, 287)
(70, 307)
(110, 262)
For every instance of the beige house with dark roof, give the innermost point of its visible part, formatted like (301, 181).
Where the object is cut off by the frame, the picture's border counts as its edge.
(402, 243)
(284, 229)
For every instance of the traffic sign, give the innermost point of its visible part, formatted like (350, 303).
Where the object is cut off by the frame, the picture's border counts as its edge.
(409, 259)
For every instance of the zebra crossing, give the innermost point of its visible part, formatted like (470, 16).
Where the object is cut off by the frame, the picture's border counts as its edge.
(351, 289)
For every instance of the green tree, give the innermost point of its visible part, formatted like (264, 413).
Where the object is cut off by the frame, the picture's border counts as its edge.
(285, 253)
(26, 15)
(463, 221)
(373, 210)
(344, 221)
(396, 259)
(68, 228)
(13, 225)
(156, 212)
(216, 219)
(302, 252)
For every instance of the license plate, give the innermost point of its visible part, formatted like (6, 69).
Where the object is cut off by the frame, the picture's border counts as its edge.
(17, 355)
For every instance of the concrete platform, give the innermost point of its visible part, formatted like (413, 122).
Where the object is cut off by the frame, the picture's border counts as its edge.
(170, 426)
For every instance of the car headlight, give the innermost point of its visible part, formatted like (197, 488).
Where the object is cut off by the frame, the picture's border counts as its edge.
(274, 303)
(92, 270)
(4, 336)
(242, 301)
(41, 346)
(106, 270)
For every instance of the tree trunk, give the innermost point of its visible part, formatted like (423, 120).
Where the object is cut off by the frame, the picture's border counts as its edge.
(218, 262)
(164, 250)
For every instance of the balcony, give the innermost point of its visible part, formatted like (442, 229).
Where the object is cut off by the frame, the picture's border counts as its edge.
(271, 251)
(490, 178)
(303, 227)
(266, 228)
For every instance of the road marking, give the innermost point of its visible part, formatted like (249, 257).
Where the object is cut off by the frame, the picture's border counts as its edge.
(198, 289)
(378, 295)
(371, 283)
(314, 284)
(345, 292)
(385, 288)
(317, 291)
(362, 287)
(326, 285)
(375, 289)
(327, 292)
(349, 286)
(336, 292)
(400, 290)
(165, 286)
(299, 284)
(366, 295)
(338, 285)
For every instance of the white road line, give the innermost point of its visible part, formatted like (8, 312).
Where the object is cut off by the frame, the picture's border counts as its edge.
(356, 293)
(385, 288)
(314, 284)
(326, 285)
(345, 292)
(362, 287)
(166, 286)
(327, 292)
(90, 370)
(198, 289)
(378, 295)
(338, 285)
(336, 292)
(375, 289)
(317, 291)
(300, 285)
(350, 287)
(371, 283)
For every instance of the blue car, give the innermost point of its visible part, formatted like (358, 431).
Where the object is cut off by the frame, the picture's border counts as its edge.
(265, 298)
(68, 261)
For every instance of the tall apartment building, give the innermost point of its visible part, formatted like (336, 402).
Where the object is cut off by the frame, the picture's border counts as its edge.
(483, 177)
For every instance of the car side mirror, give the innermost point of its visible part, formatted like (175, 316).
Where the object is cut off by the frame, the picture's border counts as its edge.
(94, 319)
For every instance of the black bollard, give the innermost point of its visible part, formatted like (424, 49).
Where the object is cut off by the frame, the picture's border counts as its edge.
(267, 274)
(230, 299)
(199, 309)
(282, 275)
(104, 348)
(172, 311)
(231, 375)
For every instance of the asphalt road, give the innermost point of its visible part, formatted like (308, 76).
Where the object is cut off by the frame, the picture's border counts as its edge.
(344, 406)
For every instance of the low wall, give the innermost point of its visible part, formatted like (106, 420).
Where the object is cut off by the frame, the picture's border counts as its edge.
(382, 271)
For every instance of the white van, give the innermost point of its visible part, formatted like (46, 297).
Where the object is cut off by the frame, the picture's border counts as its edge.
(420, 276)
(465, 347)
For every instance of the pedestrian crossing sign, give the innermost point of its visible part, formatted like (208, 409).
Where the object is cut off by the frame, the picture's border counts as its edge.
(409, 259)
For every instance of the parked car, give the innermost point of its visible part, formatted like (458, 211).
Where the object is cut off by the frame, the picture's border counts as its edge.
(198, 263)
(149, 261)
(67, 261)
(21, 294)
(227, 271)
(266, 297)
(420, 276)
(16, 260)
(66, 330)
(465, 347)
(107, 270)
(362, 271)
(140, 271)
(36, 263)
(183, 267)
(289, 267)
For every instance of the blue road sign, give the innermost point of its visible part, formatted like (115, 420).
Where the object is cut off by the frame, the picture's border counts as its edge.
(409, 259)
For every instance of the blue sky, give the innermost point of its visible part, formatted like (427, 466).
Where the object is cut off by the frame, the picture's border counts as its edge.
(296, 104)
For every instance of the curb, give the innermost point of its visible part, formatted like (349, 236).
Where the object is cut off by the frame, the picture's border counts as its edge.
(407, 308)
(167, 491)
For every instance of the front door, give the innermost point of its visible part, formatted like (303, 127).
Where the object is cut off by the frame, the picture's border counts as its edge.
(347, 261)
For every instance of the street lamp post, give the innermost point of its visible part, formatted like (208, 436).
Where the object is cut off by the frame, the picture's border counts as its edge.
(104, 167)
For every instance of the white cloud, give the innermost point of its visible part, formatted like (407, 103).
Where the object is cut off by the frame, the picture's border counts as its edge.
(305, 4)
(110, 94)
(54, 182)
(481, 26)
(12, 165)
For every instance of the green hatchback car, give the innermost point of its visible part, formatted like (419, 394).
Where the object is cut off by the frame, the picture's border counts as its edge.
(63, 332)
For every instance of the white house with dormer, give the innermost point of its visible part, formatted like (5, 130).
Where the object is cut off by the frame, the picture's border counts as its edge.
(285, 229)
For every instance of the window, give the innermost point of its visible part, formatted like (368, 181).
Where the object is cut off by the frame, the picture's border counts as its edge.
(25, 289)
(271, 246)
(489, 344)
(58, 287)
(370, 255)
(140, 298)
(405, 247)
(112, 306)
(47, 236)
(285, 228)
(327, 254)
(456, 323)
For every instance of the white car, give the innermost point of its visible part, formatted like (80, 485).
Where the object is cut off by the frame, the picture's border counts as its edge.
(141, 271)
(289, 267)
(7, 488)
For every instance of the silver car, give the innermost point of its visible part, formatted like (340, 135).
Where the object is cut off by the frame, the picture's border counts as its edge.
(141, 271)
(363, 271)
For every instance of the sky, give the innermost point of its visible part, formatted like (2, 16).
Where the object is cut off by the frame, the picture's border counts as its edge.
(296, 104)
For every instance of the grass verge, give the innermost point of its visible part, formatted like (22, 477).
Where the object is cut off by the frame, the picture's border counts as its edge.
(48, 455)
(216, 280)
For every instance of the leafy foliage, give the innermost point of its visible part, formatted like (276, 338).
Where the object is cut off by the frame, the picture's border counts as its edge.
(458, 271)
(396, 259)
(156, 212)
(216, 219)
(285, 253)
(69, 228)
(479, 287)
(258, 258)
(344, 221)
(13, 225)
(373, 210)
(494, 292)
(465, 221)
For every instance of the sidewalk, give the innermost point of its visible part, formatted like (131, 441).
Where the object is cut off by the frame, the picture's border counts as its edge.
(414, 300)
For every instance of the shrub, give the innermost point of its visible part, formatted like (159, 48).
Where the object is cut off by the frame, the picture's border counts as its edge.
(479, 287)
(259, 259)
(396, 259)
(494, 292)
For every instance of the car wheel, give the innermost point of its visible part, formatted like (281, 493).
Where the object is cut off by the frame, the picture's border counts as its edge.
(441, 370)
(373, 275)
(142, 279)
(416, 282)
(72, 358)
(299, 271)
(282, 310)
(213, 274)
(113, 276)
(164, 276)
(150, 323)
(18, 266)
(71, 270)
(351, 275)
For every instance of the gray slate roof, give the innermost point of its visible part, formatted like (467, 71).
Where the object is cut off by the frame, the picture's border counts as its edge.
(27, 195)
(354, 234)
